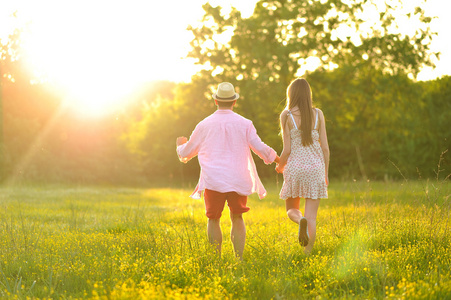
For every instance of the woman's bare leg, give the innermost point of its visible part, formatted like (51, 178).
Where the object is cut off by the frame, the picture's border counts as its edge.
(311, 211)
(293, 212)
(292, 207)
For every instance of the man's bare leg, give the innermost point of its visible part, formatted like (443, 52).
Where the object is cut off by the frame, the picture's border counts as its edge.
(238, 234)
(215, 233)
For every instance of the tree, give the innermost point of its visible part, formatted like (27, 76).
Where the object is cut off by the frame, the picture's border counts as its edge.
(41, 140)
(161, 119)
(2, 151)
(8, 55)
(433, 134)
(358, 38)
(370, 117)
(267, 50)
(276, 40)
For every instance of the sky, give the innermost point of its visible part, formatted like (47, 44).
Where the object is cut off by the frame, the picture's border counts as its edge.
(117, 45)
(442, 42)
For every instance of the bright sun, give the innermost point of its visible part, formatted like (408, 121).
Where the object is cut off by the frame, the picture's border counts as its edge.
(98, 52)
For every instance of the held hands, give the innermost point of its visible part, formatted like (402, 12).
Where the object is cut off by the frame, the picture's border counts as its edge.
(279, 169)
(181, 140)
(280, 164)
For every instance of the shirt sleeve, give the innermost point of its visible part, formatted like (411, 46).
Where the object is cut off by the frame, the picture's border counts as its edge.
(191, 148)
(266, 153)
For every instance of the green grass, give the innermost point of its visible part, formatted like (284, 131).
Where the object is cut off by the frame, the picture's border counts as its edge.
(375, 240)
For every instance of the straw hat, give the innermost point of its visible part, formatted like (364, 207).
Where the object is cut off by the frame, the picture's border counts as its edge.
(225, 93)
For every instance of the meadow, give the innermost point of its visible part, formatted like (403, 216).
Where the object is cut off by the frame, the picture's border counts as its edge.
(375, 240)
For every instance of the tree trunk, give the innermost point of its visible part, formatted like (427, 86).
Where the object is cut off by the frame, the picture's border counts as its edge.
(2, 145)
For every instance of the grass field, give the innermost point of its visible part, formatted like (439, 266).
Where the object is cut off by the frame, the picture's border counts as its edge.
(375, 240)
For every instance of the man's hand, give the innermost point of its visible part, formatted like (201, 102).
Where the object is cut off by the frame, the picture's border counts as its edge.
(181, 140)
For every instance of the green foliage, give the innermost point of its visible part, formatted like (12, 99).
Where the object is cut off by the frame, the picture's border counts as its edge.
(2, 143)
(374, 240)
(380, 122)
(8, 54)
(372, 107)
(434, 120)
(390, 118)
(159, 121)
(267, 49)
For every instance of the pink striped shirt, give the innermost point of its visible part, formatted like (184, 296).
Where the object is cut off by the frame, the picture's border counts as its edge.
(223, 142)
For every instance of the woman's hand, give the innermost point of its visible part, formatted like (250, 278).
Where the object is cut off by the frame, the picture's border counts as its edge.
(181, 140)
(279, 169)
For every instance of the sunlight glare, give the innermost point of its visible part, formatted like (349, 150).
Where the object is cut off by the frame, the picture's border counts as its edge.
(98, 53)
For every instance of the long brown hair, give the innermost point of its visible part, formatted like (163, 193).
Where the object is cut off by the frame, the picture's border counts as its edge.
(300, 95)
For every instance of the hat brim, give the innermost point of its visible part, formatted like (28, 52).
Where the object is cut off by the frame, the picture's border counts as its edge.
(235, 97)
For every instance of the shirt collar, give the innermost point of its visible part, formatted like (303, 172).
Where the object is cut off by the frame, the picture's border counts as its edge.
(224, 111)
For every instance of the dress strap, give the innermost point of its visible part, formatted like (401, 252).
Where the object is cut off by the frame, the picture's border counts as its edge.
(316, 121)
(291, 115)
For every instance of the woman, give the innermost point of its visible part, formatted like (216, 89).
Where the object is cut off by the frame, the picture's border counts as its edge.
(304, 160)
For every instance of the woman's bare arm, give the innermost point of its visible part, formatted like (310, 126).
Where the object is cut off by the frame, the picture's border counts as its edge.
(286, 141)
(324, 143)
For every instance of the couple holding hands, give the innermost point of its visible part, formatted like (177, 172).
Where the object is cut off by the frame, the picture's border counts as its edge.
(223, 142)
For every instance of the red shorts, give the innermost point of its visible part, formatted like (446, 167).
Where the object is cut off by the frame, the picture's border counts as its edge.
(215, 201)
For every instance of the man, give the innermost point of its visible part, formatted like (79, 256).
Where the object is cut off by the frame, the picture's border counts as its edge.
(222, 142)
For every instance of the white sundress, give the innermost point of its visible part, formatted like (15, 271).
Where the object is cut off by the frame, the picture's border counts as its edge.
(305, 174)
